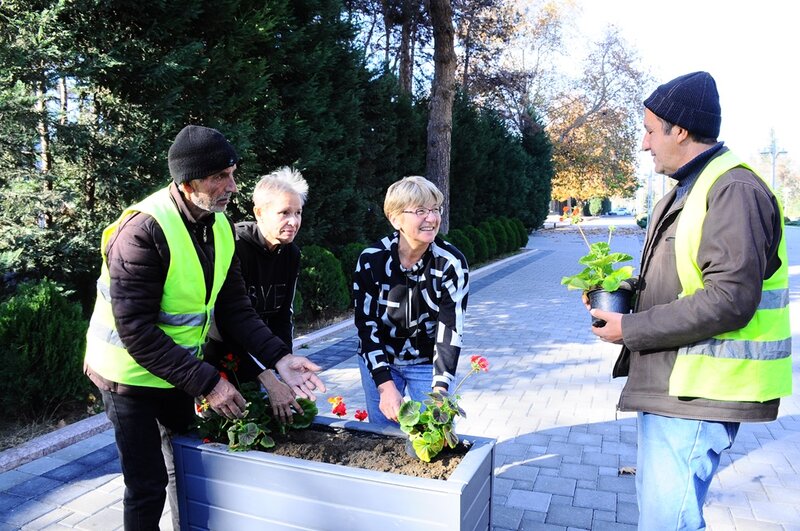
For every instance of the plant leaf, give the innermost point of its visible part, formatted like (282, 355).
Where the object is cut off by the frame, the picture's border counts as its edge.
(305, 419)
(450, 436)
(409, 413)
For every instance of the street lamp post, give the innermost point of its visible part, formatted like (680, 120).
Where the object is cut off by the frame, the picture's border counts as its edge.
(773, 152)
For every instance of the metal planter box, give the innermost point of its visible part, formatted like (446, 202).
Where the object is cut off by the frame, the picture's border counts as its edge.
(219, 489)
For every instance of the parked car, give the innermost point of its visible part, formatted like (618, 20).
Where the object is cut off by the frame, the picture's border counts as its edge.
(620, 211)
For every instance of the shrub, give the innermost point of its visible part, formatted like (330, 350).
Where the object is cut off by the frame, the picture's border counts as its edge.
(478, 243)
(348, 257)
(322, 283)
(458, 238)
(42, 344)
(595, 206)
(514, 240)
(500, 235)
(641, 220)
(297, 305)
(491, 241)
(522, 231)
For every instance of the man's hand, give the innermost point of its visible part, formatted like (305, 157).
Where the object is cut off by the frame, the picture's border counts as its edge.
(391, 400)
(612, 331)
(298, 373)
(281, 397)
(226, 400)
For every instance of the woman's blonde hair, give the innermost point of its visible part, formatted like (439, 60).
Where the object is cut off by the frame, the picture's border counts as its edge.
(283, 179)
(410, 192)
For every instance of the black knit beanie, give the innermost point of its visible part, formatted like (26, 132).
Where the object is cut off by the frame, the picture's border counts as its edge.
(198, 152)
(690, 101)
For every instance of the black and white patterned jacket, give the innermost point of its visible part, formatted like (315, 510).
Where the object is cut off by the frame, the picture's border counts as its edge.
(411, 316)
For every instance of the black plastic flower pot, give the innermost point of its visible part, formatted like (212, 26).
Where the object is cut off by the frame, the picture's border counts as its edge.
(618, 301)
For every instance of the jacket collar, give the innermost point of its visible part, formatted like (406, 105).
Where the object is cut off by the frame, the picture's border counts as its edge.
(249, 232)
(688, 173)
(207, 218)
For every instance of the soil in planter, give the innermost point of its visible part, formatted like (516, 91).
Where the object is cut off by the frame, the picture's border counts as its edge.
(364, 450)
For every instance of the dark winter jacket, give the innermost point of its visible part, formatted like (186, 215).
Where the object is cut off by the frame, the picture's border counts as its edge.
(270, 278)
(138, 258)
(411, 316)
(738, 250)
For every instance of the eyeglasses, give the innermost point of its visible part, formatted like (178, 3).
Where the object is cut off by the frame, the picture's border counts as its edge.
(422, 212)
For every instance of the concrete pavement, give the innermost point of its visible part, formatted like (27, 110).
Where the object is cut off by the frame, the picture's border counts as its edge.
(548, 399)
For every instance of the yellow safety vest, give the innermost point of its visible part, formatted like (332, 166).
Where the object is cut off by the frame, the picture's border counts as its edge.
(185, 314)
(752, 364)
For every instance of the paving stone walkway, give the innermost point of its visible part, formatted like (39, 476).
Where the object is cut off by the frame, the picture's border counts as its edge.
(548, 399)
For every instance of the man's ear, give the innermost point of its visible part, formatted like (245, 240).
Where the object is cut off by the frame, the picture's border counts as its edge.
(681, 134)
(186, 188)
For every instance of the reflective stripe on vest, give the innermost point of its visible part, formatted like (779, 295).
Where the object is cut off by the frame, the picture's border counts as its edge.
(185, 315)
(752, 364)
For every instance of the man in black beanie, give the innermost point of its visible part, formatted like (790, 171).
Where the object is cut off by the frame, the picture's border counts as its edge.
(168, 269)
(709, 343)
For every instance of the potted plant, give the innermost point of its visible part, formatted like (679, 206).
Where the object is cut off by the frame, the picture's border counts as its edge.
(240, 484)
(432, 428)
(603, 285)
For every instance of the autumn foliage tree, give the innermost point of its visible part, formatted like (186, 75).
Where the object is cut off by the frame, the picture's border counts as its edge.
(595, 125)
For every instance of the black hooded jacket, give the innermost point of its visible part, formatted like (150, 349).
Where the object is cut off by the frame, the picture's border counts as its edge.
(270, 278)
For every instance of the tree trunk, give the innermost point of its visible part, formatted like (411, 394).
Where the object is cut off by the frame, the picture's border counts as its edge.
(89, 181)
(64, 95)
(45, 156)
(440, 122)
(388, 23)
(42, 127)
(405, 54)
(467, 49)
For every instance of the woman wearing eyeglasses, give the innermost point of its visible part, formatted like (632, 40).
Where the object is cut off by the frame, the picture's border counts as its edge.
(410, 299)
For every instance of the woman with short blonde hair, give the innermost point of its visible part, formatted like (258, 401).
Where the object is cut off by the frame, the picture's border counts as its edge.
(410, 300)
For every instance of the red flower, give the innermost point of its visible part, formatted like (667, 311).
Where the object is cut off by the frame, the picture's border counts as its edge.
(360, 415)
(339, 409)
(479, 363)
(206, 440)
(223, 375)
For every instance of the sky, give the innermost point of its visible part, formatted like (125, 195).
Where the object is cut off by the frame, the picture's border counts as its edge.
(749, 47)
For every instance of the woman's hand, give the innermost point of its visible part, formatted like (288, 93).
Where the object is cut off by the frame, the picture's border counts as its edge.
(391, 400)
(281, 397)
(298, 373)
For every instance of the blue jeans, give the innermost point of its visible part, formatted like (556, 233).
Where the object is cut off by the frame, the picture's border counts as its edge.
(412, 380)
(142, 428)
(676, 461)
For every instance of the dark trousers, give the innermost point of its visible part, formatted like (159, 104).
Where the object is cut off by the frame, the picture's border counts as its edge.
(142, 428)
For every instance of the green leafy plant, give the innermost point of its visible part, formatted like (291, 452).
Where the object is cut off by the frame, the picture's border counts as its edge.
(430, 429)
(599, 272)
(252, 431)
(42, 343)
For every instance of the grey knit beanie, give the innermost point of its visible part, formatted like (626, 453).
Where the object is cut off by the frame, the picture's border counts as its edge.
(690, 101)
(198, 152)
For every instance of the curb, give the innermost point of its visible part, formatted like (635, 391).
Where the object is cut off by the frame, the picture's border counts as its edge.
(78, 431)
(55, 440)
